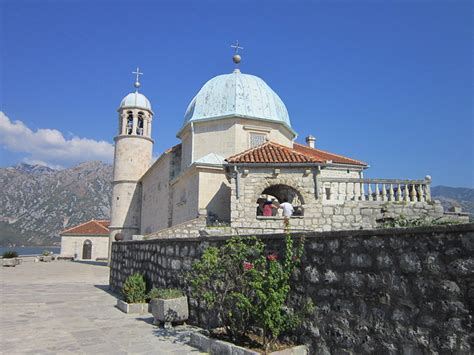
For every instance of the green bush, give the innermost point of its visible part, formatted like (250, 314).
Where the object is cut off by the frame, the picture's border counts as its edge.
(164, 293)
(248, 288)
(47, 253)
(402, 221)
(10, 254)
(134, 289)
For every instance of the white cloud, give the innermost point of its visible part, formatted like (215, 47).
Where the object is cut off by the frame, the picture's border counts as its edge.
(48, 146)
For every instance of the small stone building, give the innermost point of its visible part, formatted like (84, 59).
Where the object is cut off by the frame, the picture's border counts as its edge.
(237, 148)
(87, 241)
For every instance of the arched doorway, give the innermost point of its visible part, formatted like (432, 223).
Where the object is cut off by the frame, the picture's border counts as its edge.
(87, 250)
(280, 193)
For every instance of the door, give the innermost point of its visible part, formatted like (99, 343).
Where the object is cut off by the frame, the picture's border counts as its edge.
(87, 250)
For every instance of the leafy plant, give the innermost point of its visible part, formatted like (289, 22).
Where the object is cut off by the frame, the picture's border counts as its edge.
(10, 254)
(248, 288)
(164, 293)
(134, 289)
(402, 221)
(47, 253)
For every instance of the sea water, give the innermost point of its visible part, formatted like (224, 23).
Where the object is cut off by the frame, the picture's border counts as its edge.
(30, 250)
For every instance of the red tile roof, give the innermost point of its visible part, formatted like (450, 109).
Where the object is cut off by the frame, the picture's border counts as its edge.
(324, 156)
(93, 227)
(271, 152)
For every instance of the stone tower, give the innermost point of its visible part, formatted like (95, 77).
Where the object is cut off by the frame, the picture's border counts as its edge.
(132, 158)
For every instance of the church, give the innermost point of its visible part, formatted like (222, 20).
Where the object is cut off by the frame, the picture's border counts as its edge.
(237, 151)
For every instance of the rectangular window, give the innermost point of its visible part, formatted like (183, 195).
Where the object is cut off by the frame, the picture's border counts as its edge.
(257, 139)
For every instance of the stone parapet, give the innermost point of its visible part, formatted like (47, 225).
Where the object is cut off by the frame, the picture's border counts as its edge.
(376, 291)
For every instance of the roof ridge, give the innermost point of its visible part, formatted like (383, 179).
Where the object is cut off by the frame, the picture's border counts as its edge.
(326, 152)
(101, 226)
(281, 151)
(74, 227)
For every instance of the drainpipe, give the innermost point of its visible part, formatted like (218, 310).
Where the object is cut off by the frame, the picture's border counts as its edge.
(237, 183)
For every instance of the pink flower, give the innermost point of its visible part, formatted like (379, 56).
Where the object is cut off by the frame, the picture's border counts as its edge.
(272, 257)
(247, 265)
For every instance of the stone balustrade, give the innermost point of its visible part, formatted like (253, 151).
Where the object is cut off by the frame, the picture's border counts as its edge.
(353, 189)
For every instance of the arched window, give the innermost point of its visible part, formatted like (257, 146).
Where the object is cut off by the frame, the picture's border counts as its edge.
(140, 124)
(279, 194)
(129, 127)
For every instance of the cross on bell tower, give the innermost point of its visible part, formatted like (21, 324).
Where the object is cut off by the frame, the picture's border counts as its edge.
(137, 80)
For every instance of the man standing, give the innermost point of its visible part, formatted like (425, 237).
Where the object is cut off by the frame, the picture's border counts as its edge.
(287, 208)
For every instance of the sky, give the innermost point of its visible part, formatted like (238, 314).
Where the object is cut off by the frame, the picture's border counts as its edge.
(387, 82)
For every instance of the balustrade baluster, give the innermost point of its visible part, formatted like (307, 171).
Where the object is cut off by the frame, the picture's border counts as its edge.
(399, 192)
(413, 193)
(391, 193)
(384, 193)
(420, 193)
(369, 192)
(377, 192)
(362, 192)
(407, 194)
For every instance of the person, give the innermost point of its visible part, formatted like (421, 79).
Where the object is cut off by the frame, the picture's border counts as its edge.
(287, 207)
(268, 207)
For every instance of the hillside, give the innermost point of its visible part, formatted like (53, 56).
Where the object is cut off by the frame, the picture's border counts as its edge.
(455, 196)
(37, 202)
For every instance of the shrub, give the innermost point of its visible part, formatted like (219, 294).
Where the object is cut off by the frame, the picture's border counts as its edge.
(402, 221)
(10, 254)
(248, 288)
(134, 289)
(164, 293)
(47, 253)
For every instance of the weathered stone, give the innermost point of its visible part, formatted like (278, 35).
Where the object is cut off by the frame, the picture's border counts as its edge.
(410, 263)
(360, 260)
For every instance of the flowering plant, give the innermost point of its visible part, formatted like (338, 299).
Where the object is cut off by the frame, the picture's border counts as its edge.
(248, 288)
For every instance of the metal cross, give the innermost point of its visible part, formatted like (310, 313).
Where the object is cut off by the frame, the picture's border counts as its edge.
(137, 73)
(236, 46)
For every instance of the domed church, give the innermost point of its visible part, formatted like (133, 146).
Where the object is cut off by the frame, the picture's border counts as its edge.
(237, 153)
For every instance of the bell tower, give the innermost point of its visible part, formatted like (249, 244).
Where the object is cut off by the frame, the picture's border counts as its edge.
(132, 158)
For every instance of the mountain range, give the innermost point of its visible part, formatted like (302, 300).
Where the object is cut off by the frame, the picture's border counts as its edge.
(37, 202)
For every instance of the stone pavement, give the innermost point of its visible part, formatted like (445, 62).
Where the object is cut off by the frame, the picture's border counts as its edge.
(64, 307)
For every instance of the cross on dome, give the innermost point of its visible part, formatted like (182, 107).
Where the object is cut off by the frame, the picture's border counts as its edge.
(236, 58)
(137, 81)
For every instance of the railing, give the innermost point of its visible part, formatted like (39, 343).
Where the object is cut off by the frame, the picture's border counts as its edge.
(350, 189)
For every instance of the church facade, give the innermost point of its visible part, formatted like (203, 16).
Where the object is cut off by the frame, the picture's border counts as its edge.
(237, 150)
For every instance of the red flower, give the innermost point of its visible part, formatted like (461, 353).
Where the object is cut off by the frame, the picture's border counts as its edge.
(247, 265)
(272, 257)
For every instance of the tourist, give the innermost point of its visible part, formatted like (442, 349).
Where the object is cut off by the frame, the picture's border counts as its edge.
(287, 208)
(268, 207)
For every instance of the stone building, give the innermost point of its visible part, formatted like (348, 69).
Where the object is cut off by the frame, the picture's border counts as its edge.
(87, 241)
(237, 148)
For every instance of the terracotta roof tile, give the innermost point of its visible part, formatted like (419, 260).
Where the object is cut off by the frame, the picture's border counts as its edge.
(323, 156)
(271, 152)
(92, 227)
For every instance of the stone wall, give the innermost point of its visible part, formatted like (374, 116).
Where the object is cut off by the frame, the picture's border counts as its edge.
(390, 291)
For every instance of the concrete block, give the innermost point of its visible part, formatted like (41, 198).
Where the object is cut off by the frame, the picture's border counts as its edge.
(138, 308)
(171, 310)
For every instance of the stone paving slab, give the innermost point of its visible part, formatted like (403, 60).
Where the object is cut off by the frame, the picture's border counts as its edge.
(64, 307)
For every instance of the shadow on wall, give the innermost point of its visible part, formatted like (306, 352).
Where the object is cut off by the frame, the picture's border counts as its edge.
(218, 208)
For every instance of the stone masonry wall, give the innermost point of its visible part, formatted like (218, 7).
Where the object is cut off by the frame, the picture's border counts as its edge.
(392, 291)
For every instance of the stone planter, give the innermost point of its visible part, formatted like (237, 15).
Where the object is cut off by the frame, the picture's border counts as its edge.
(46, 258)
(139, 308)
(169, 311)
(214, 346)
(10, 262)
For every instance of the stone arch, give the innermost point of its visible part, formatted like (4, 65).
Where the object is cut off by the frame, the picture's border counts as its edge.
(265, 183)
(280, 193)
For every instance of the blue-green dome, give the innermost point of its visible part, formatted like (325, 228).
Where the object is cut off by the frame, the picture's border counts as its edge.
(237, 94)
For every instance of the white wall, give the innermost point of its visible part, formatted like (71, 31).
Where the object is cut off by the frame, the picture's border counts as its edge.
(72, 245)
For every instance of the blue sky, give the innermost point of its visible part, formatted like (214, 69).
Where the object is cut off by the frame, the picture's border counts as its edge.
(387, 82)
